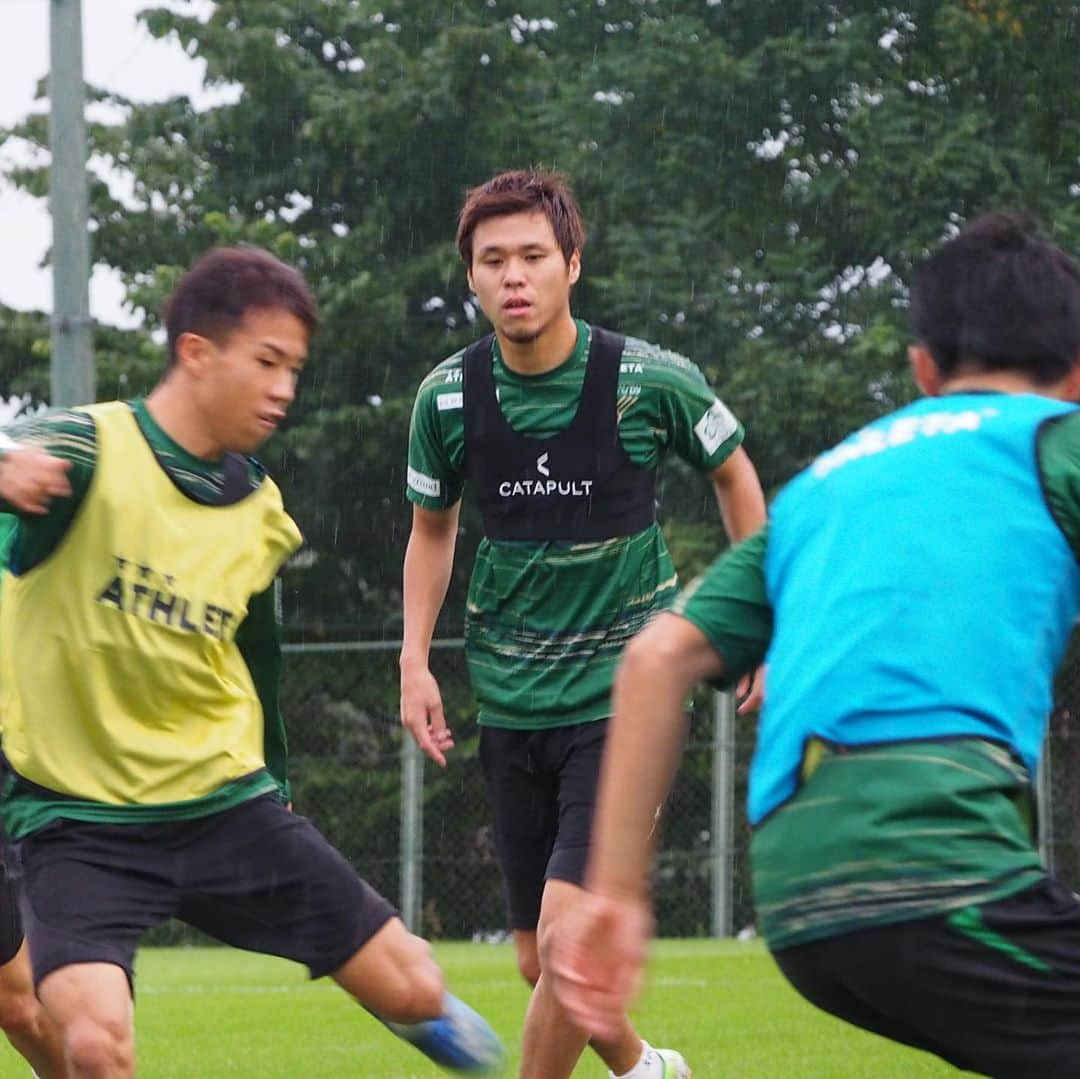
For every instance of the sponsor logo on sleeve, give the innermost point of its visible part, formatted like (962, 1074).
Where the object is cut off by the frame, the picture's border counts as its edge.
(715, 427)
(446, 401)
(425, 485)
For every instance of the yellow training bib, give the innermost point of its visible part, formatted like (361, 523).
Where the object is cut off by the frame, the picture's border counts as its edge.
(121, 679)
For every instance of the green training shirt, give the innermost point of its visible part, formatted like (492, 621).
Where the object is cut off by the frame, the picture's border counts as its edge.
(71, 435)
(883, 833)
(546, 622)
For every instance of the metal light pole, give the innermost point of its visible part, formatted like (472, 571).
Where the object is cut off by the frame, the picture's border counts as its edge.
(72, 370)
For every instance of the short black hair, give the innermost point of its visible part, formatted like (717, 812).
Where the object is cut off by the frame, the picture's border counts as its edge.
(213, 297)
(999, 296)
(522, 191)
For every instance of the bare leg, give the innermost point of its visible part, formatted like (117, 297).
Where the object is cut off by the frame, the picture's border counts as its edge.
(551, 1043)
(90, 1003)
(395, 976)
(528, 955)
(25, 1022)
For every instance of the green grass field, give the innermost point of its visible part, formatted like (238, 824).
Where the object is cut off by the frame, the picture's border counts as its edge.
(209, 1012)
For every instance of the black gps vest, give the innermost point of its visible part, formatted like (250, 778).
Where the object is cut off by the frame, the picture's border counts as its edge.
(577, 485)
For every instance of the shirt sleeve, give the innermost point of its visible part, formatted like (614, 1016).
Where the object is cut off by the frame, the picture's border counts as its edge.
(1059, 468)
(259, 640)
(72, 436)
(729, 603)
(433, 480)
(692, 421)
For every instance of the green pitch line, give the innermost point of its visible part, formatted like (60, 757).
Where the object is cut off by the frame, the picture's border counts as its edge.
(211, 1012)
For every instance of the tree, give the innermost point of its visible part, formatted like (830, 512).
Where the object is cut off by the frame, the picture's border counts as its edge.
(759, 178)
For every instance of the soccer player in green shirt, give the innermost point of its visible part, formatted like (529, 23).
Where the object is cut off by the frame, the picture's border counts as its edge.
(556, 427)
(139, 669)
(915, 588)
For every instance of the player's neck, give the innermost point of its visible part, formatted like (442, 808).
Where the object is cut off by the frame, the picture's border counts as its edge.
(551, 348)
(174, 412)
(1002, 382)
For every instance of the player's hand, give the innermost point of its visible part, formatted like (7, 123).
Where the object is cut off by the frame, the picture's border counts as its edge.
(751, 690)
(30, 479)
(596, 955)
(422, 712)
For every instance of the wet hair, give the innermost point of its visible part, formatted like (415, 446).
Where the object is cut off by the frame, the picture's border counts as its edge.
(999, 296)
(521, 191)
(214, 296)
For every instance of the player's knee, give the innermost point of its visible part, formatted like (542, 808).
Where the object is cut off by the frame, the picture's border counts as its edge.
(96, 1047)
(529, 965)
(528, 958)
(18, 1012)
(545, 937)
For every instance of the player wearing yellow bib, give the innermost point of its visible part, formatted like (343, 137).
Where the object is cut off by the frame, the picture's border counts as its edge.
(139, 663)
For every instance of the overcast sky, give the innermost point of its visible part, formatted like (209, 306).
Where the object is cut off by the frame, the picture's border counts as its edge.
(118, 54)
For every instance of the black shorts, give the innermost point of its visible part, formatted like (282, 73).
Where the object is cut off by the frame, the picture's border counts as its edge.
(542, 789)
(11, 932)
(255, 876)
(993, 989)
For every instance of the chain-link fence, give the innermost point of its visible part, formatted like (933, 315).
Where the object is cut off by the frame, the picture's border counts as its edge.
(422, 835)
(1060, 774)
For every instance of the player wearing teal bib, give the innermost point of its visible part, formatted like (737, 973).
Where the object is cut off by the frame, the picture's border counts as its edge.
(555, 428)
(915, 588)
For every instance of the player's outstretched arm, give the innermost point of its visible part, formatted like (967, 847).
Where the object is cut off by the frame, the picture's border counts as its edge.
(597, 951)
(429, 559)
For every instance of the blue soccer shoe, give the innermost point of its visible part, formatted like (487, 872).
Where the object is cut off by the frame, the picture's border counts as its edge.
(460, 1040)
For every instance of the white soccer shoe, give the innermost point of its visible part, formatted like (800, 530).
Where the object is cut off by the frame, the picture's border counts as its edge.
(660, 1064)
(674, 1064)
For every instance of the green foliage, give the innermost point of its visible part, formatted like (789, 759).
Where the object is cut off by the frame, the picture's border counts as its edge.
(127, 363)
(760, 178)
(740, 164)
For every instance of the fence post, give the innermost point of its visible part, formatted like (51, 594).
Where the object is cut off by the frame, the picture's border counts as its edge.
(721, 831)
(412, 831)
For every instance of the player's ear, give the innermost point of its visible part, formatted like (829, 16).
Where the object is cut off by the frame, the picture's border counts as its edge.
(193, 353)
(925, 370)
(574, 266)
(1072, 381)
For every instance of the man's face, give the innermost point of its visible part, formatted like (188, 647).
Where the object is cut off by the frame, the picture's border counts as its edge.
(519, 274)
(249, 379)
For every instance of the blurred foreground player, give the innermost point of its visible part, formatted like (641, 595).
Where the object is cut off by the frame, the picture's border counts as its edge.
(139, 664)
(915, 588)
